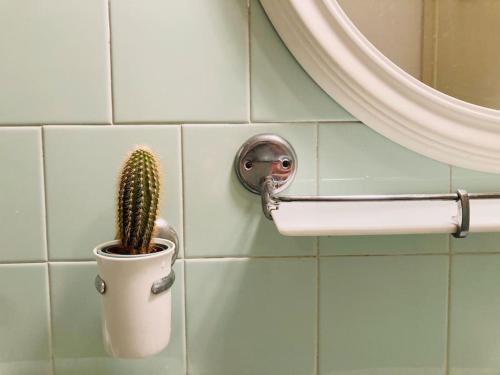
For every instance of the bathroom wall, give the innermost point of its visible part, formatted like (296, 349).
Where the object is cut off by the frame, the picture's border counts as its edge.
(84, 81)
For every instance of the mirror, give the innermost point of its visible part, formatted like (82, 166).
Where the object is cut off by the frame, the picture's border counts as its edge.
(450, 45)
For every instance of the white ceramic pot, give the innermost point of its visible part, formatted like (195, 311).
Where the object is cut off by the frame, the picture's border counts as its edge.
(136, 316)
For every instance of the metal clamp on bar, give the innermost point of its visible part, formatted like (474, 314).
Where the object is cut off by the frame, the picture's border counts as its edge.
(164, 284)
(266, 164)
(167, 232)
(158, 287)
(464, 214)
(269, 203)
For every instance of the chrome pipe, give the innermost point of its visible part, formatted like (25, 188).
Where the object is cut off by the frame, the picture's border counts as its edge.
(380, 198)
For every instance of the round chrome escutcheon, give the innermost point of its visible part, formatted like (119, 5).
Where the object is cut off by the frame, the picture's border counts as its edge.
(266, 155)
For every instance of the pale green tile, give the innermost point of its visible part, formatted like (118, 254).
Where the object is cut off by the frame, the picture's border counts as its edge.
(395, 244)
(180, 60)
(22, 233)
(24, 320)
(251, 316)
(383, 315)
(281, 89)
(224, 219)
(82, 167)
(475, 315)
(353, 159)
(78, 347)
(55, 65)
(476, 182)
(477, 243)
(26, 367)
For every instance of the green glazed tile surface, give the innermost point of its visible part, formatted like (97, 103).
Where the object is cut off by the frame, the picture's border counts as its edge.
(475, 315)
(251, 316)
(22, 215)
(83, 164)
(180, 61)
(76, 314)
(224, 219)
(55, 64)
(353, 159)
(24, 320)
(476, 182)
(281, 89)
(395, 244)
(383, 315)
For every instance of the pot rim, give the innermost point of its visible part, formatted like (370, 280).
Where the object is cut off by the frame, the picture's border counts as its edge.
(127, 258)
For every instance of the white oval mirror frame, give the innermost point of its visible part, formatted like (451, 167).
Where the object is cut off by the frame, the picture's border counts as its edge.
(379, 93)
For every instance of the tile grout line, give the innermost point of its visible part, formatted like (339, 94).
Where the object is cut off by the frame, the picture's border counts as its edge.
(183, 219)
(51, 319)
(448, 306)
(110, 61)
(448, 317)
(318, 285)
(249, 70)
(49, 293)
(317, 258)
(270, 258)
(289, 122)
(44, 193)
(179, 122)
(22, 262)
(184, 300)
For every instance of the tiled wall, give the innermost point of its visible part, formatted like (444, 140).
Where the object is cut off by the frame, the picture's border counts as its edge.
(193, 79)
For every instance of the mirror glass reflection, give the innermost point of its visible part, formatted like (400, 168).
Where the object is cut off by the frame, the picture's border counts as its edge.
(451, 45)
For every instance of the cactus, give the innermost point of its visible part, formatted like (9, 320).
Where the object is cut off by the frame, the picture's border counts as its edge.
(138, 197)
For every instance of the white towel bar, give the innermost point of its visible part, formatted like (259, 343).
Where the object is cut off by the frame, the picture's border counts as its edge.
(266, 164)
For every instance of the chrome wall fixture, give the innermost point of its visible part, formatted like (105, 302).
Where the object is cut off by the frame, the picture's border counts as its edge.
(266, 164)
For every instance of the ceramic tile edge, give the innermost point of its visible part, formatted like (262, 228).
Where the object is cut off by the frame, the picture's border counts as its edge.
(249, 62)
(183, 223)
(319, 120)
(184, 317)
(109, 61)
(50, 318)
(46, 197)
(180, 185)
(42, 162)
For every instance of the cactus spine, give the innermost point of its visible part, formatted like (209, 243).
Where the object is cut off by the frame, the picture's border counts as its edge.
(138, 197)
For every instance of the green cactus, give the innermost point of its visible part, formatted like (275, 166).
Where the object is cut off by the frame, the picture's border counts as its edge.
(138, 197)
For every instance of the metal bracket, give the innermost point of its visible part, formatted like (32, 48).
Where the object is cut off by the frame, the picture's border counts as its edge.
(266, 156)
(164, 284)
(464, 214)
(269, 203)
(167, 232)
(158, 287)
(100, 285)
